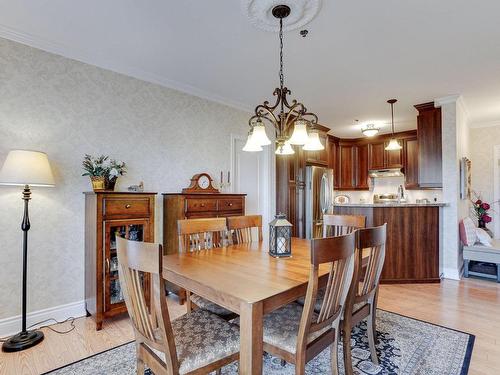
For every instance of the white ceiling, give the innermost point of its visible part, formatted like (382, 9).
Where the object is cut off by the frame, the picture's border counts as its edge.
(358, 53)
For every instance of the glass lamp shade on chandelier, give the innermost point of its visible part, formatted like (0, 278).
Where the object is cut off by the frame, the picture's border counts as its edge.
(393, 143)
(287, 114)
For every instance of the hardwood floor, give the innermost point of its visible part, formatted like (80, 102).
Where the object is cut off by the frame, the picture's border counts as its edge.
(469, 305)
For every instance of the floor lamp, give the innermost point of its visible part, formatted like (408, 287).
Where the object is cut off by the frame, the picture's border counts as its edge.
(25, 168)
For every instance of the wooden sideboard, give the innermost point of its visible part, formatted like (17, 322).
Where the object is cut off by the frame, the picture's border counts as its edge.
(178, 206)
(107, 213)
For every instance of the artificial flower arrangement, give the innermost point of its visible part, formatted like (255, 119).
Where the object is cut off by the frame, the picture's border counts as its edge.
(103, 172)
(481, 209)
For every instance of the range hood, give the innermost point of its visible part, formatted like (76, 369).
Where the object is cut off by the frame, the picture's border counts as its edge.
(388, 172)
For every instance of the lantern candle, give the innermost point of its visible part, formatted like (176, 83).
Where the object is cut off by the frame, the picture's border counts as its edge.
(280, 236)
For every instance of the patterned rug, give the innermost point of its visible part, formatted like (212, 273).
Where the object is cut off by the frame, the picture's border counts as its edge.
(405, 346)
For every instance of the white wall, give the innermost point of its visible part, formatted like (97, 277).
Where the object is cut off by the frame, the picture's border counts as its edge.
(67, 109)
(483, 141)
(455, 141)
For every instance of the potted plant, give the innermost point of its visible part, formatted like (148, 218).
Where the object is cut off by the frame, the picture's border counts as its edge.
(96, 169)
(480, 209)
(115, 169)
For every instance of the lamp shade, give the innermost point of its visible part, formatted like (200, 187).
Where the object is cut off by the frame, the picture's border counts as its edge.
(299, 135)
(313, 143)
(284, 149)
(393, 145)
(23, 167)
(259, 136)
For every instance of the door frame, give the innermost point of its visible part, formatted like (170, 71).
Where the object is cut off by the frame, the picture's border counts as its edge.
(267, 184)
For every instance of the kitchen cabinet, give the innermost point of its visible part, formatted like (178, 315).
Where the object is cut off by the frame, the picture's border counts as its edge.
(346, 165)
(410, 162)
(376, 155)
(429, 146)
(362, 167)
(394, 158)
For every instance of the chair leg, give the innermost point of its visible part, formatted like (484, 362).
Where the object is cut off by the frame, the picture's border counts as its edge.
(466, 268)
(140, 366)
(189, 305)
(218, 371)
(375, 303)
(334, 355)
(300, 367)
(346, 329)
(371, 333)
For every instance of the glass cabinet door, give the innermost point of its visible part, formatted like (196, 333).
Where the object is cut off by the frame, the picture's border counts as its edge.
(134, 230)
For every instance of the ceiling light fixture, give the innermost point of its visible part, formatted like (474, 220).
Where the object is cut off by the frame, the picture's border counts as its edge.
(370, 130)
(288, 114)
(393, 143)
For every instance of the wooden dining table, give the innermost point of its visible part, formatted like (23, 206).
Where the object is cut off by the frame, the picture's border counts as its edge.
(245, 279)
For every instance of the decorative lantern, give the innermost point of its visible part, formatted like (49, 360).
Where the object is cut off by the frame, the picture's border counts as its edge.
(280, 237)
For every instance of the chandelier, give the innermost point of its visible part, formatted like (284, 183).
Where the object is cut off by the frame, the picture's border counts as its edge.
(283, 114)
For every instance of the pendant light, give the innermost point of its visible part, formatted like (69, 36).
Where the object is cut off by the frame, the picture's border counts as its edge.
(284, 149)
(370, 130)
(393, 143)
(250, 145)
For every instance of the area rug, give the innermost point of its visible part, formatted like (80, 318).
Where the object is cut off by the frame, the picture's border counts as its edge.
(405, 346)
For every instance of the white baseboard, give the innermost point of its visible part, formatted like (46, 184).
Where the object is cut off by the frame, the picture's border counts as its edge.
(12, 325)
(452, 273)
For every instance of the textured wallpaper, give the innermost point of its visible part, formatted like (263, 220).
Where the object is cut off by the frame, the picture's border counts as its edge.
(67, 109)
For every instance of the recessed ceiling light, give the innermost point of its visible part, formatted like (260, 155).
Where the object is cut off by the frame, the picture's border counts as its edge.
(370, 130)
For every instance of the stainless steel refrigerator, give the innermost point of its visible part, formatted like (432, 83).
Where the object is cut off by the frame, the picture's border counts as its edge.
(319, 199)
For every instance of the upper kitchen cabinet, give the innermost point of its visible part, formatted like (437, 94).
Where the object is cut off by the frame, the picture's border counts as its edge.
(429, 146)
(394, 158)
(319, 157)
(410, 162)
(376, 152)
(346, 157)
(362, 166)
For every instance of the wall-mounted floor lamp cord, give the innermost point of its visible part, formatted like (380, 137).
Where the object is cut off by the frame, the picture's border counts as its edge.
(71, 321)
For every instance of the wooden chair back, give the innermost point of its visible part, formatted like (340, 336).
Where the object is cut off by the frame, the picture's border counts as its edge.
(339, 225)
(338, 252)
(370, 256)
(152, 325)
(240, 228)
(201, 234)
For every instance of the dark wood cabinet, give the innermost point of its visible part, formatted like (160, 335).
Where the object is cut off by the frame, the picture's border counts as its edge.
(194, 206)
(394, 158)
(429, 146)
(376, 152)
(346, 165)
(108, 214)
(410, 162)
(362, 167)
(412, 247)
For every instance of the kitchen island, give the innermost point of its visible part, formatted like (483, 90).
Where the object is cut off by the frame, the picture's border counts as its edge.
(413, 238)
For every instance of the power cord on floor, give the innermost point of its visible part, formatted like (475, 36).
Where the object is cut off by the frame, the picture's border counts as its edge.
(71, 321)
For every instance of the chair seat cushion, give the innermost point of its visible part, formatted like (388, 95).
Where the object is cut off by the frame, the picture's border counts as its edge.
(207, 305)
(281, 327)
(319, 300)
(202, 338)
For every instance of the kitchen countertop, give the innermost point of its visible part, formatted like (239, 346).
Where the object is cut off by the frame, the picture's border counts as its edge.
(392, 204)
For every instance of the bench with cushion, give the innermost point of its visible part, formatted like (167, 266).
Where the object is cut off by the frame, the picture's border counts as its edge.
(481, 253)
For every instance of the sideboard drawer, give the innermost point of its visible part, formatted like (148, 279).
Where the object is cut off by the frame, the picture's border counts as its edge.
(201, 205)
(230, 204)
(131, 207)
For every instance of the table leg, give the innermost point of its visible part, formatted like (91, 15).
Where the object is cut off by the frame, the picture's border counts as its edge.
(251, 341)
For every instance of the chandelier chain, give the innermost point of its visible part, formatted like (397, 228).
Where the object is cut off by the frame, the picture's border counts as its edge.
(282, 77)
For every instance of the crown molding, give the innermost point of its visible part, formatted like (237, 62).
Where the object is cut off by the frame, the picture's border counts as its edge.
(446, 100)
(96, 59)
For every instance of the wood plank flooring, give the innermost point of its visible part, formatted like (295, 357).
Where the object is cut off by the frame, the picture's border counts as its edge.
(469, 305)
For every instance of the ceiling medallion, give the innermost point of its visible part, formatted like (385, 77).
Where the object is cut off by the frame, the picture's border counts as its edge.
(283, 114)
(393, 143)
(260, 13)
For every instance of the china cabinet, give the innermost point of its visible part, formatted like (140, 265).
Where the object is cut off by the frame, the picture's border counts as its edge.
(107, 215)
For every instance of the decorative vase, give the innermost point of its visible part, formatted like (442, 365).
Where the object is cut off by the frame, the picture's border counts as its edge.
(481, 223)
(98, 182)
(110, 183)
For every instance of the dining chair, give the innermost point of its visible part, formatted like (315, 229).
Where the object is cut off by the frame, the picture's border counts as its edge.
(203, 234)
(163, 346)
(333, 226)
(362, 298)
(298, 333)
(338, 225)
(240, 228)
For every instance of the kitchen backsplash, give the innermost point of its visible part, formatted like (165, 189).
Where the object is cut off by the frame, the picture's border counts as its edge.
(389, 185)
